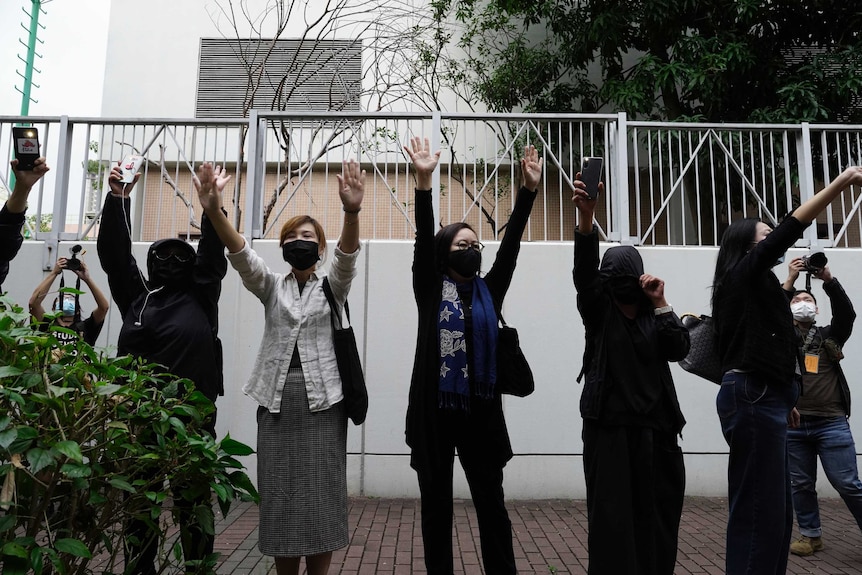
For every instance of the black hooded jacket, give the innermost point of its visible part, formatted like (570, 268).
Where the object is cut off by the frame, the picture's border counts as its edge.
(175, 325)
(664, 336)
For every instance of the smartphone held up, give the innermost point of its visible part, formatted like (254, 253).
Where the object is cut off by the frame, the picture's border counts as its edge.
(130, 166)
(591, 175)
(26, 141)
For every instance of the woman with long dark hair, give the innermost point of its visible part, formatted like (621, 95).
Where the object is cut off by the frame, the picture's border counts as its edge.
(754, 329)
(453, 401)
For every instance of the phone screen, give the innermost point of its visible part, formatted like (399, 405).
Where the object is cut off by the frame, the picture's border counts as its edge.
(591, 174)
(26, 147)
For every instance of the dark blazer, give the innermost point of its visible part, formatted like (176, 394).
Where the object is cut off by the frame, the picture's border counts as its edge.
(428, 289)
(595, 304)
(176, 327)
(751, 312)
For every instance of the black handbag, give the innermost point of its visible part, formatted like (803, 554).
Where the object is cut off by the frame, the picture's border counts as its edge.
(702, 359)
(347, 356)
(514, 376)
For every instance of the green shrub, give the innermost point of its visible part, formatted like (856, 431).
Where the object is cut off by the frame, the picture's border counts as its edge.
(87, 442)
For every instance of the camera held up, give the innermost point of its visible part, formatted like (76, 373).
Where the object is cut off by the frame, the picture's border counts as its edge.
(814, 263)
(73, 263)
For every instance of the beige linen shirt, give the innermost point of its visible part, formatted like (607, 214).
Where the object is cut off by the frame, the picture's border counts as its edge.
(295, 320)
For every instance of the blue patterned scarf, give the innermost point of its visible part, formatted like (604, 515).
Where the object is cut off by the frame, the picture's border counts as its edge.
(454, 386)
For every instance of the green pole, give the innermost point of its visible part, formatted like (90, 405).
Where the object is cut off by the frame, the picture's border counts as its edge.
(31, 55)
(32, 38)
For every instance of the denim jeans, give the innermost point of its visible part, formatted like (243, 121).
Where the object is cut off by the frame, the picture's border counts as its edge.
(754, 423)
(830, 438)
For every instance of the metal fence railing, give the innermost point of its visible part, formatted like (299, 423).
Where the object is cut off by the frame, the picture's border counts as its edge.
(666, 183)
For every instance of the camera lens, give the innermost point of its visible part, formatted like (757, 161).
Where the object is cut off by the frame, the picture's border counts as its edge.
(817, 260)
(75, 249)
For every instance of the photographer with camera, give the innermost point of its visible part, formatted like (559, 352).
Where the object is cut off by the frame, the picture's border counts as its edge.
(823, 406)
(66, 303)
(12, 214)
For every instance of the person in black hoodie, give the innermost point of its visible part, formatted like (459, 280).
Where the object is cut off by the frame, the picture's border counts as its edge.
(635, 476)
(758, 351)
(13, 213)
(452, 402)
(170, 319)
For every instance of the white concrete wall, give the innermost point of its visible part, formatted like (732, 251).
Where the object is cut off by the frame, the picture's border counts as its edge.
(545, 427)
(153, 53)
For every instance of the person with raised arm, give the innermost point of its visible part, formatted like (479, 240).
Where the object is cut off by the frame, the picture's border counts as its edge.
(301, 416)
(12, 214)
(169, 318)
(68, 304)
(824, 407)
(759, 357)
(453, 401)
(633, 465)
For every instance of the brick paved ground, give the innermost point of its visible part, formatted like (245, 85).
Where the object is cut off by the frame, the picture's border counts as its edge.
(550, 537)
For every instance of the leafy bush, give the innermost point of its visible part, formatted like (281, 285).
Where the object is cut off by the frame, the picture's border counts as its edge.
(87, 443)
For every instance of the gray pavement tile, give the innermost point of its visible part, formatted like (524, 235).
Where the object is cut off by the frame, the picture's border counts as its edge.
(549, 536)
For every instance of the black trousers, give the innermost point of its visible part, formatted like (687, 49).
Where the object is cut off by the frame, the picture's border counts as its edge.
(635, 488)
(484, 470)
(141, 543)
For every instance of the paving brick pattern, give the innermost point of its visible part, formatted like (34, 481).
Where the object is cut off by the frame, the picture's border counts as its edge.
(550, 537)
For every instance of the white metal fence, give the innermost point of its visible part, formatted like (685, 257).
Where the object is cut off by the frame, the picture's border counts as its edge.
(666, 183)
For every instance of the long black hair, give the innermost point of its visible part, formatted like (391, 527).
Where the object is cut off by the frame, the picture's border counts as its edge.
(736, 241)
(443, 243)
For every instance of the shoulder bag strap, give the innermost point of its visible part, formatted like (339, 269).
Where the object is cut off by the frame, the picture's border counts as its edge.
(327, 290)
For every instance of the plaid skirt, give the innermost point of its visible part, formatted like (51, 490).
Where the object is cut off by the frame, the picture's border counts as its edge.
(301, 475)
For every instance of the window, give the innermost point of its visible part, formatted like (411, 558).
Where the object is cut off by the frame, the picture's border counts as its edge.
(302, 75)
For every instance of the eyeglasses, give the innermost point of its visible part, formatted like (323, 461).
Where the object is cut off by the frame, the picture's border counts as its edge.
(478, 246)
(180, 256)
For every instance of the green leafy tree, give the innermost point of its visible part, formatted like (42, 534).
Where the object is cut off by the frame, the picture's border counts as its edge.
(710, 60)
(87, 443)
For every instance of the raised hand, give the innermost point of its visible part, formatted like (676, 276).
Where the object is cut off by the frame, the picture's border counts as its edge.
(852, 176)
(28, 178)
(423, 160)
(83, 272)
(653, 287)
(583, 203)
(823, 274)
(351, 186)
(210, 184)
(794, 267)
(118, 188)
(531, 168)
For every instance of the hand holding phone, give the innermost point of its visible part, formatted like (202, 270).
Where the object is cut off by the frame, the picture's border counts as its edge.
(130, 166)
(26, 141)
(591, 174)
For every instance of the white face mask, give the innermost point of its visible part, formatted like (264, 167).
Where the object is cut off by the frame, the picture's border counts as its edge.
(803, 311)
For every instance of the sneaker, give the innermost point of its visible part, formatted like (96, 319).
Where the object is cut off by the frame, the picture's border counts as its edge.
(806, 546)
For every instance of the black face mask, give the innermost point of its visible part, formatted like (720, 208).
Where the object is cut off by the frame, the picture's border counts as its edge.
(171, 272)
(625, 289)
(465, 263)
(301, 254)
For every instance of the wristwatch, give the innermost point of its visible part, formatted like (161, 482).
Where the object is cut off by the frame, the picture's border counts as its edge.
(663, 309)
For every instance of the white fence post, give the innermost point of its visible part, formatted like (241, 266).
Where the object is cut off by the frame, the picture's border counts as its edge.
(806, 180)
